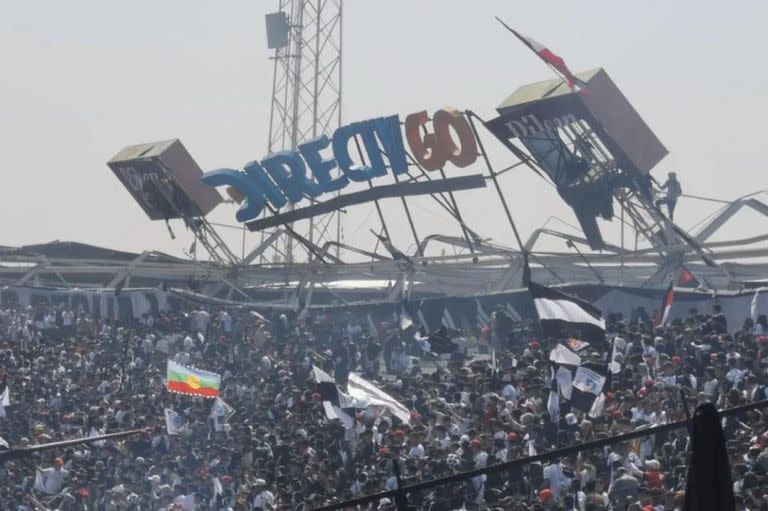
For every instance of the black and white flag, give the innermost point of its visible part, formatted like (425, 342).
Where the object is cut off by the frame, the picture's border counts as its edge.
(562, 315)
(360, 395)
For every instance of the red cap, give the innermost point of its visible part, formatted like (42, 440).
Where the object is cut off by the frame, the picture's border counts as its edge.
(534, 344)
(475, 443)
(642, 393)
(512, 436)
(83, 492)
(400, 433)
(677, 360)
(383, 451)
(546, 495)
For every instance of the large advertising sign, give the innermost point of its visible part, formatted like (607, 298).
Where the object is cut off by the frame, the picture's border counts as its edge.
(532, 119)
(361, 152)
(164, 180)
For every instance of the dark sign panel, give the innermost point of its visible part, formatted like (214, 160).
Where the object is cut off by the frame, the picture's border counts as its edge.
(164, 180)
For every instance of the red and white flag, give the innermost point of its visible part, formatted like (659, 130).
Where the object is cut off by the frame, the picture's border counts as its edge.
(550, 57)
(666, 306)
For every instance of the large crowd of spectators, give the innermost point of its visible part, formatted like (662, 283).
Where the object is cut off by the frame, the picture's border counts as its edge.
(72, 375)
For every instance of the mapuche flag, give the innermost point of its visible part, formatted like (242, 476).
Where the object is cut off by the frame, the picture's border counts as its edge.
(194, 382)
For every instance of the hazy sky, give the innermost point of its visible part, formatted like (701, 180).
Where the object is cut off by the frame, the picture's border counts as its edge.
(81, 79)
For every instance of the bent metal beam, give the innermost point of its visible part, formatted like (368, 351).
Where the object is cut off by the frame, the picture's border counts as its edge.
(380, 192)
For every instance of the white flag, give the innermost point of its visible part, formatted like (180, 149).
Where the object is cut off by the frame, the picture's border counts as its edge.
(367, 394)
(175, 424)
(5, 396)
(597, 406)
(221, 409)
(562, 355)
(587, 380)
(754, 307)
(553, 405)
(405, 321)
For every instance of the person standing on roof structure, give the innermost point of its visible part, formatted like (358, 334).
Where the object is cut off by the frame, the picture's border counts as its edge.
(674, 191)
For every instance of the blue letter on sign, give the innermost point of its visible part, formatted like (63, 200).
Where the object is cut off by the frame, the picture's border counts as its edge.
(290, 174)
(272, 192)
(254, 199)
(388, 129)
(355, 172)
(321, 169)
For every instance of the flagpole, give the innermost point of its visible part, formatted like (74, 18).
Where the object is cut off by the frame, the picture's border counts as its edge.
(528, 45)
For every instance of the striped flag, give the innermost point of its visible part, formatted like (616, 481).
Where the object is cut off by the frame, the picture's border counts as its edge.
(666, 306)
(562, 315)
(548, 56)
(193, 382)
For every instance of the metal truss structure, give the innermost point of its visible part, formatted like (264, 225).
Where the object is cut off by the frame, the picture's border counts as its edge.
(306, 98)
(475, 264)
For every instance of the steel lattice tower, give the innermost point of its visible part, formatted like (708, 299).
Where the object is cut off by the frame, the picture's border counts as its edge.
(306, 96)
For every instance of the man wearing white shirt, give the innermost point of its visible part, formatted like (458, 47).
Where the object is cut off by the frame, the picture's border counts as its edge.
(734, 374)
(68, 319)
(510, 393)
(264, 499)
(51, 480)
(226, 323)
(554, 474)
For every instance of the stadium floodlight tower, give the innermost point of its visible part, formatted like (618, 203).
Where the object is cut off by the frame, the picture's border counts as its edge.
(594, 147)
(306, 94)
